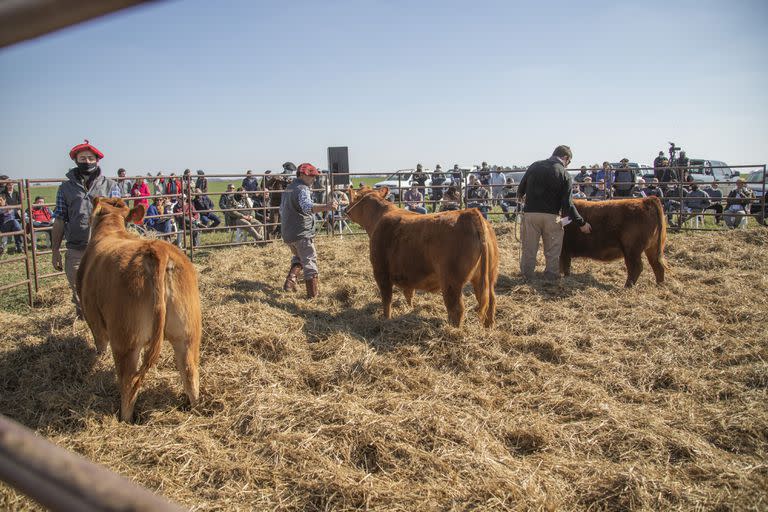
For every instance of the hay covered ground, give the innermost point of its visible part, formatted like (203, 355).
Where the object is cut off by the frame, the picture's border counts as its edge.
(585, 396)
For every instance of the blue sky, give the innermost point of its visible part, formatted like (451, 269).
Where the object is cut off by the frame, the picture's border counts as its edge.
(226, 86)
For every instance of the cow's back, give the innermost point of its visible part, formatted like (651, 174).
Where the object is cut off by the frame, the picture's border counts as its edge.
(617, 227)
(416, 250)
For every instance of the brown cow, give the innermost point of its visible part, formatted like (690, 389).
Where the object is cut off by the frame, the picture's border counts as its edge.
(135, 293)
(436, 252)
(620, 228)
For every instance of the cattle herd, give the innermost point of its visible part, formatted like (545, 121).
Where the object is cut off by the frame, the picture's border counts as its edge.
(441, 252)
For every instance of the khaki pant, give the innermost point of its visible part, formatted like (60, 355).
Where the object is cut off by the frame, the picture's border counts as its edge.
(304, 252)
(71, 264)
(534, 227)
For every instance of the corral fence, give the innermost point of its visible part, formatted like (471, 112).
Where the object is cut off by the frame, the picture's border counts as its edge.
(197, 218)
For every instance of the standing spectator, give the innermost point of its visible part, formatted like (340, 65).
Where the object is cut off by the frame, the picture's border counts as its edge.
(438, 182)
(74, 204)
(456, 175)
(653, 189)
(682, 163)
(41, 218)
(738, 202)
(509, 204)
(204, 206)
(250, 183)
(716, 201)
(451, 200)
(297, 222)
(140, 189)
(583, 174)
(606, 175)
(124, 184)
(173, 185)
(497, 182)
(484, 174)
(658, 166)
(9, 224)
(669, 176)
(201, 182)
(593, 173)
(546, 187)
(477, 196)
(419, 178)
(342, 199)
(624, 179)
(158, 185)
(414, 201)
(11, 195)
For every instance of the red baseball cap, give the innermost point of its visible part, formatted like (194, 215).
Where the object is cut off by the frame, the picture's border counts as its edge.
(308, 169)
(83, 147)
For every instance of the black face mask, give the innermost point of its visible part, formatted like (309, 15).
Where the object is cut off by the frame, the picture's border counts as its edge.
(86, 167)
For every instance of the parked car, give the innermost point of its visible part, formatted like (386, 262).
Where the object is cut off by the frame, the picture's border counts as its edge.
(707, 171)
(756, 182)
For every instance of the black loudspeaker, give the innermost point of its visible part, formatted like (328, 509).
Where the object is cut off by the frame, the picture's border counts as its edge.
(338, 164)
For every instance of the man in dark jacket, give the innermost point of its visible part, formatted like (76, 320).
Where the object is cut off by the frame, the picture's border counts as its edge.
(546, 190)
(624, 179)
(74, 204)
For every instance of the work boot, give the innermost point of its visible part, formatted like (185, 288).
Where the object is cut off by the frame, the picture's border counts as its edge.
(291, 280)
(312, 285)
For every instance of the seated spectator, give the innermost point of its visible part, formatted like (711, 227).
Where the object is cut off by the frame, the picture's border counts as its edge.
(342, 200)
(715, 201)
(653, 189)
(183, 210)
(639, 189)
(600, 193)
(576, 192)
(414, 200)
(140, 189)
(204, 207)
(587, 187)
(41, 218)
(697, 200)
(509, 204)
(477, 196)
(154, 222)
(451, 200)
(241, 216)
(9, 224)
(738, 202)
(438, 182)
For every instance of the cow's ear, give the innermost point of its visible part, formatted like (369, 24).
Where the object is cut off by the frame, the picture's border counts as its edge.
(384, 192)
(96, 201)
(136, 214)
(351, 193)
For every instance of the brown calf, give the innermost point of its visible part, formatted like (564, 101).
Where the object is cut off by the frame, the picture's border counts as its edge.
(135, 293)
(437, 252)
(620, 228)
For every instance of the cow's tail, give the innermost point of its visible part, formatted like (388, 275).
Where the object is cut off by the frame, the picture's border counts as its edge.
(485, 281)
(152, 352)
(661, 236)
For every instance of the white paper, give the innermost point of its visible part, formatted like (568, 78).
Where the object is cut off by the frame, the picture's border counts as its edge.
(564, 221)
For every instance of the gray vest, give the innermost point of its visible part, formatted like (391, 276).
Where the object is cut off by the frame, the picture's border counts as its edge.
(294, 223)
(77, 228)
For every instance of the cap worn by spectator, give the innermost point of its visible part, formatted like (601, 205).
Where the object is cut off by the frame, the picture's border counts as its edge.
(85, 146)
(289, 167)
(624, 160)
(200, 172)
(308, 169)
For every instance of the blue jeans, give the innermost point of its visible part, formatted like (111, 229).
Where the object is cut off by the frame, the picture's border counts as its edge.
(484, 208)
(209, 220)
(10, 226)
(509, 208)
(417, 209)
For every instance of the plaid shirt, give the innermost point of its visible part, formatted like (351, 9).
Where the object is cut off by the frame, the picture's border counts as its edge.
(62, 212)
(305, 200)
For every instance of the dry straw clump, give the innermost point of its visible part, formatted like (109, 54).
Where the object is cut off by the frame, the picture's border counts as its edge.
(585, 396)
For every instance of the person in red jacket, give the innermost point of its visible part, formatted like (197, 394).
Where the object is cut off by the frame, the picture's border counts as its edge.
(41, 218)
(140, 189)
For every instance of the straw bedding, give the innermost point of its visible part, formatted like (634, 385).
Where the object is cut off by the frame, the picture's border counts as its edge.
(585, 396)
